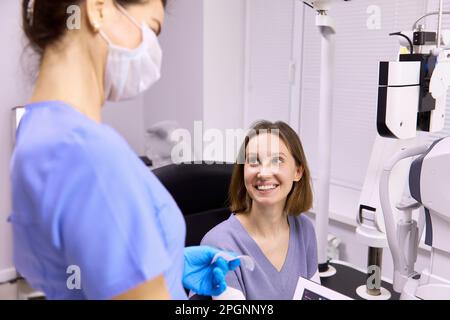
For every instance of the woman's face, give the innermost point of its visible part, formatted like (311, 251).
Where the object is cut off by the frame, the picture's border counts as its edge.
(270, 170)
(124, 33)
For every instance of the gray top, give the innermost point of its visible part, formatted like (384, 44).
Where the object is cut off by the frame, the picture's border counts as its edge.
(265, 282)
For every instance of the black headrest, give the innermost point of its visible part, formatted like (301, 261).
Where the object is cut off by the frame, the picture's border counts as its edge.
(197, 187)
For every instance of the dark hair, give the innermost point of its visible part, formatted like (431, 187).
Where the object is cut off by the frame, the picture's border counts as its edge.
(49, 20)
(300, 199)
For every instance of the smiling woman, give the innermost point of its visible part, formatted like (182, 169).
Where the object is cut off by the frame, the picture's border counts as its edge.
(268, 193)
(271, 139)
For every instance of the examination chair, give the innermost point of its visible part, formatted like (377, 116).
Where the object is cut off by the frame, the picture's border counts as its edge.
(201, 192)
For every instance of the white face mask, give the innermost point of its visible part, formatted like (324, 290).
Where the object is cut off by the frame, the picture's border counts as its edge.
(130, 72)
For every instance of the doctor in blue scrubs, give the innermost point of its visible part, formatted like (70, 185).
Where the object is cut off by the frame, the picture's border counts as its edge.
(84, 205)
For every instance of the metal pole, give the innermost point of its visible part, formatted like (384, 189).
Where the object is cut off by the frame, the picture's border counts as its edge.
(324, 141)
(439, 29)
(374, 259)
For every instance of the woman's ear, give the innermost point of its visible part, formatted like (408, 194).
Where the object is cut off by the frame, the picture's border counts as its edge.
(298, 174)
(95, 12)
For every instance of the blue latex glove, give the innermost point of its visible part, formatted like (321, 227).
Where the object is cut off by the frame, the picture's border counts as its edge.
(202, 277)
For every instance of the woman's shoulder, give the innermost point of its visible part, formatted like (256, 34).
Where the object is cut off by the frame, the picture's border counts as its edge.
(221, 234)
(304, 223)
(61, 121)
(52, 127)
(92, 146)
(76, 149)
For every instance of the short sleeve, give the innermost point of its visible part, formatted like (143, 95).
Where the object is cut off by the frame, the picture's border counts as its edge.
(311, 247)
(103, 220)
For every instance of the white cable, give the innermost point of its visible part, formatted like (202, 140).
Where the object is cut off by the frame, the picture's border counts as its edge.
(414, 27)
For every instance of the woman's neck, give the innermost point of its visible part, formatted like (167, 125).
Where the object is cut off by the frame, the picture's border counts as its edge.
(267, 222)
(69, 75)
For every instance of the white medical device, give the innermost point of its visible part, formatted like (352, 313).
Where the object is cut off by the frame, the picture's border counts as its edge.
(412, 91)
(410, 95)
(429, 182)
(411, 98)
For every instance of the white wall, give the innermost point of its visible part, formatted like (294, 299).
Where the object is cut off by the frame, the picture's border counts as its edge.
(270, 31)
(179, 94)
(203, 67)
(127, 118)
(223, 67)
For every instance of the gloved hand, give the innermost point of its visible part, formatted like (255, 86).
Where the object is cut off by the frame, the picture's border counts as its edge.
(202, 277)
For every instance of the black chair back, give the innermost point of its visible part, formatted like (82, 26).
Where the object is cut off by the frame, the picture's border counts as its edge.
(201, 192)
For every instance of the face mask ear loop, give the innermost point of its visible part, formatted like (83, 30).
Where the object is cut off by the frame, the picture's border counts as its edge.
(126, 14)
(105, 37)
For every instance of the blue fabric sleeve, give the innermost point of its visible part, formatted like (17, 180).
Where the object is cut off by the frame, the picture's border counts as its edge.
(102, 218)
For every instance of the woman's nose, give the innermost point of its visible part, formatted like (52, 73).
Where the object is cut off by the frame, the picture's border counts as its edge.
(265, 171)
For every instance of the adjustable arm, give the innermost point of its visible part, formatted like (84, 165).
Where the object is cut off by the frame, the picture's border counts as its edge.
(400, 267)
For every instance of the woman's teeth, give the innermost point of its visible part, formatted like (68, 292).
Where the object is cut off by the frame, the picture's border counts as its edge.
(266, 187)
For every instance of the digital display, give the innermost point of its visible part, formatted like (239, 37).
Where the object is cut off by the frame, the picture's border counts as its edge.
(311, 295)
(310, 290)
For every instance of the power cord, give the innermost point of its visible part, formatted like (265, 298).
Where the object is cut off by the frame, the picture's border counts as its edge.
(411, 49)
(308, 4)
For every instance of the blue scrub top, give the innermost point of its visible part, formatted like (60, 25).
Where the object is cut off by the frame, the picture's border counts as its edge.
(90, 221)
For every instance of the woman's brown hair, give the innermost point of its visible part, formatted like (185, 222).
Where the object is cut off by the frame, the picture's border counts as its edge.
(45, 25)
(300, 198)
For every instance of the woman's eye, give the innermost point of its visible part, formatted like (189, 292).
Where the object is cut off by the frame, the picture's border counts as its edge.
(252, 161)
(277, 160)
